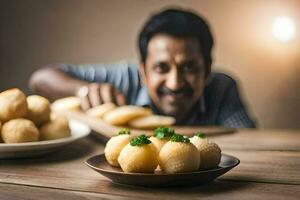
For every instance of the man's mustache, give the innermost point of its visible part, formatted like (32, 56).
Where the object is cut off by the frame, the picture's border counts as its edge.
(187, 91)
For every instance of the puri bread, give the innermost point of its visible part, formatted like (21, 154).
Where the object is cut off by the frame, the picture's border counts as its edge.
(158, 143)
(55, 129)
(123, 114)
(66, 104)
(0, 133)
(151, 122)
(161, 136)
(13, 104)
(19, 130)
(100, 110)
(38, 109)
(142, 158)
(210, 152)
(114, 146)
(178, 157)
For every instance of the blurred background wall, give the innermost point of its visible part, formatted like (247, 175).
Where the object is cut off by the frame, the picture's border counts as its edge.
(34, 33)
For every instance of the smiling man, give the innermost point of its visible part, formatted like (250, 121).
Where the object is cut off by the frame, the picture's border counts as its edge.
(173, 78)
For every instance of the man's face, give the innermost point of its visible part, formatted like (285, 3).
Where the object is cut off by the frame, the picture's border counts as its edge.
(174, 73)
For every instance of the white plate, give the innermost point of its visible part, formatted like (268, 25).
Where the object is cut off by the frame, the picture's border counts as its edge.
(30, 149)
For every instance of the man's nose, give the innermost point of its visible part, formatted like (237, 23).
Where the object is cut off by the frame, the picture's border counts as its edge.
(175, 80)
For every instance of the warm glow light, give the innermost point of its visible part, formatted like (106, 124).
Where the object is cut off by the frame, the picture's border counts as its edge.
(283, 28)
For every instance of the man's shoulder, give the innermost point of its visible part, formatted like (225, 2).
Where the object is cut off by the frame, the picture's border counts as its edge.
(219, 84)
(221, 78)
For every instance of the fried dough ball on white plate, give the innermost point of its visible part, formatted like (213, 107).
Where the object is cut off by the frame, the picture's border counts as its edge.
(161, 136)
(13, 104)
(210, 152)
(66, 104)
(55, 129)
(115, 145)
(122, 115)
(179, 155)
(100, 110)
(38, 109)
(0, 133)
(139, 156)
(151, 122)
(19, 130)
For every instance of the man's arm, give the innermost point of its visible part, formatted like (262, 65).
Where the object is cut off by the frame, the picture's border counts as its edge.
(53, 83)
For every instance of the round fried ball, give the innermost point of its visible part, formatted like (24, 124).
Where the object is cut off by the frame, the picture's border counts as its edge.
(178, 157)
(0, 133)
(159, 143)
(38, 109)
(210, 152)
(139, 159)
(13, 104)
(113, 148)
(55, 129)
(19, 130)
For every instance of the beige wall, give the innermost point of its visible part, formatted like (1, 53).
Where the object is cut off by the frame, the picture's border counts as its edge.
(36, 33)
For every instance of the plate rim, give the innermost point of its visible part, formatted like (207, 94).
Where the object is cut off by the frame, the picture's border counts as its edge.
(50, 142)
(163, 174)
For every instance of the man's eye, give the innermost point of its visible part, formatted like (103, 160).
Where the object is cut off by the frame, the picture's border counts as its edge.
(192, 68)
(161, 68)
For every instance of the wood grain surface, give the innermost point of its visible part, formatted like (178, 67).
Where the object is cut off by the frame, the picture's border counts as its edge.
(264, 173)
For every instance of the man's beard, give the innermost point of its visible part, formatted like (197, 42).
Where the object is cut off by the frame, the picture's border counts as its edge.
(186, 91)
(180, 104)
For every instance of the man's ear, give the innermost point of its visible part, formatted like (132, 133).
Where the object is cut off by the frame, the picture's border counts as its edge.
(143, 73)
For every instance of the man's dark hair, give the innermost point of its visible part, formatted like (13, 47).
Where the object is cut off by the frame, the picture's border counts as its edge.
(179, 23)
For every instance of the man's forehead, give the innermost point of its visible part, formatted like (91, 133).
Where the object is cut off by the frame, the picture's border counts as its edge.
(164, 47)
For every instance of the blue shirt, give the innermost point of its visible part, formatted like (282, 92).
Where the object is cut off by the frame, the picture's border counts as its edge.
(220, 103)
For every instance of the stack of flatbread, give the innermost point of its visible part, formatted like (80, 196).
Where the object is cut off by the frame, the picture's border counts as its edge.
(129, 115)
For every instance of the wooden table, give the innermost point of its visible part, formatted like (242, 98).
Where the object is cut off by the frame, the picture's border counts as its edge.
(269, 169)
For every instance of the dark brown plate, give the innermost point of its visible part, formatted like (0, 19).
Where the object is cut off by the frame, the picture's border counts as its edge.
(116, 175)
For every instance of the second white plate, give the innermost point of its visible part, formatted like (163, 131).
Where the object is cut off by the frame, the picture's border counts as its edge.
(30, 149)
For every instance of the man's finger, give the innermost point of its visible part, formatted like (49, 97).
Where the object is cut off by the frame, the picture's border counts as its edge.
(107, 93)
(120, 99)
(94, 95)
(83, 96)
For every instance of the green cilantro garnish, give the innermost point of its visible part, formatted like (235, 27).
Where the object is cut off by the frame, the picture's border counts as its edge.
(140, 140)
(124, 131)
(163, 132)
(200, 135)
(179, 138)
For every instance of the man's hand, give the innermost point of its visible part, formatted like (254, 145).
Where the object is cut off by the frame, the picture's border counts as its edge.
(95, 94)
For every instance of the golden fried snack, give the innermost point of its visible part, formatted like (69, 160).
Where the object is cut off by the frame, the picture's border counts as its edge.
(0, 133)
(139, 156)
(123, 114)
(19, 130)
(13, 104)
(115, 145)
(100, 110)
(38, 109)
(210, 152)
(161, 136)
(66, 104)
(55, 129)
(158, 143)
(151, 122)
(179, 155)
